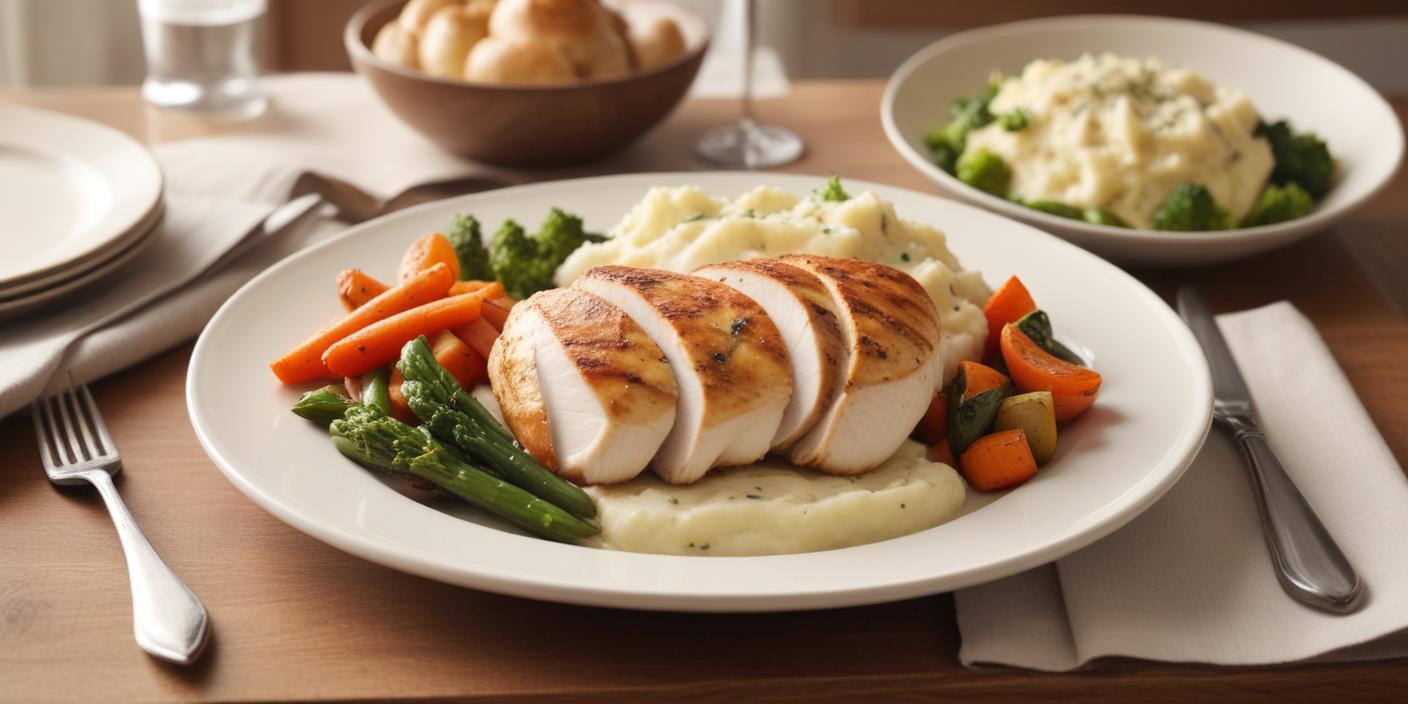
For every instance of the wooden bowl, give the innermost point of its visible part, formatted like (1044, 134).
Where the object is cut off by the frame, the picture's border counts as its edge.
(529, 125)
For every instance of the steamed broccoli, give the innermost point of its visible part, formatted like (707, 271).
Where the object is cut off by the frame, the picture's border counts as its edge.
(1014, 121)
(833, 191)
(524, 263)
(1302, 159)
(464, 235)
(1054, 207)
(1279, 204)
(1190, 207)
(1101, 216)
(985, 171)
(968, 114)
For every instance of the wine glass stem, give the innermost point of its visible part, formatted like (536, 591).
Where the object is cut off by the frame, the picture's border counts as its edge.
(746, 99)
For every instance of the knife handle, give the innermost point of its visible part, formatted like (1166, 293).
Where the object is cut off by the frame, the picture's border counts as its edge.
(1309, 564)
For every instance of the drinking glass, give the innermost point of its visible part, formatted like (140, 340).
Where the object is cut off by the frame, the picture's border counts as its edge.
(748, 143)
(200, 55)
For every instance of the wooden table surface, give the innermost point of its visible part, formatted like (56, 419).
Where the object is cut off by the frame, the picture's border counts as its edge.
(295, 619)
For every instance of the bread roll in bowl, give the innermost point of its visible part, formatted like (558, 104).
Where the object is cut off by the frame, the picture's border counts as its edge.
(449, 36)
(395, 45)
(582, 30)
(499, 60)
(655, 42)
(417, 13)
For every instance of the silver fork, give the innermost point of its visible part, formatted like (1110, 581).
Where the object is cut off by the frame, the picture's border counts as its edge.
(169, 621)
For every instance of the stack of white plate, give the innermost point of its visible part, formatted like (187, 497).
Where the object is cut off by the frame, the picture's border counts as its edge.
(78, 201)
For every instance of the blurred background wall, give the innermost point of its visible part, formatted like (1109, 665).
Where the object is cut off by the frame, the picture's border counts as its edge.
(87, 42)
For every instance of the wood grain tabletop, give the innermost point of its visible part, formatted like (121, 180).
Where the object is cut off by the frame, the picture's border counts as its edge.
(295, 619)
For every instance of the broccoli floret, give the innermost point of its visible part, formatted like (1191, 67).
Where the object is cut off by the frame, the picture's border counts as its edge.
(1303, 159)
(525, 264)
(1190, 207)
(968, 114)
(1014, 121)
(1053, 207)
(833, 191)
(985, 171)
(1279, 204)
(1101, 216)
(464, 235)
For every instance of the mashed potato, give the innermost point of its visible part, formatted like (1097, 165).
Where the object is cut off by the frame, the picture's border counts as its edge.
(772, 508)
(682, 229)
(1120, 134)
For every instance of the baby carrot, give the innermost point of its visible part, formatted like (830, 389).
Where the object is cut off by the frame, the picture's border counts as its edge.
(426, 252)
(355, 288)
(496, 311)
(305, 361)
(463, 363)
(380, 343)
(480, 335)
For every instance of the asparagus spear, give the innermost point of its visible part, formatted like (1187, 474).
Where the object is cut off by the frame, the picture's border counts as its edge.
(458, 419)
(323, 406)
(379, 441)
(374, 389)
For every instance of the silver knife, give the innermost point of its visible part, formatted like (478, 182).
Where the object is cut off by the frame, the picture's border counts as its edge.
(1309, 565)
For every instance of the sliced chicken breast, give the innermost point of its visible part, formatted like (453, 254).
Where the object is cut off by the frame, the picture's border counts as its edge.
(801, 307)
(607, 394)
(729, 362)
(513, 375)
(893, 364)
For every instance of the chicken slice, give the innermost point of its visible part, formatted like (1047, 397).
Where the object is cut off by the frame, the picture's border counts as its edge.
(513, 375)
(602, 397)
(800, 305)
(893, 364)
(729, 362)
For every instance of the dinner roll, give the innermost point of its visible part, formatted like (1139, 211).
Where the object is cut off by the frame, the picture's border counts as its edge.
(417, 13)
(395, 45)
(656, 42)
(447, 38)
(499, 60)
(580, 29)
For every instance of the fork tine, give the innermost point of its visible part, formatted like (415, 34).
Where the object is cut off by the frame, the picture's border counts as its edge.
(84, 428)
(100, 428)
(44, 431)
(69, 426)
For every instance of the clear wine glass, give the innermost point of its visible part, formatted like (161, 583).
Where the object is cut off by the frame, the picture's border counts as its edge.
(748, 143)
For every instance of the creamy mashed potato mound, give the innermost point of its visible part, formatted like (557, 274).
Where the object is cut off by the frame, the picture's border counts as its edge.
(771, 508)
(1120, 133)
(684, 228)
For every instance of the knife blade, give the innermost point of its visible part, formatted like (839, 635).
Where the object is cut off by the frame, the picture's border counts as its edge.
(1309, 565)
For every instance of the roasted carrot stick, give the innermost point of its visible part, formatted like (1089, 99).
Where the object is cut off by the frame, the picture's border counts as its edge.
(496, 311)
(400, 410)
(426, 252)
(479, 335)
(355, 288)
(380, 343)
(463, 363)
(998, 461)
(467, 287)
(934, 425)
(305, 361)
(1073, 387)
(1008, 304)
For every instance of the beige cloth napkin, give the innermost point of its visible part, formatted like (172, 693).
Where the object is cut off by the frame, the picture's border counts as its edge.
(218, 188)
(1190, 580)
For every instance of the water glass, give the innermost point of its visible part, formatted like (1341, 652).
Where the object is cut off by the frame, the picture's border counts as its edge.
(200, 55)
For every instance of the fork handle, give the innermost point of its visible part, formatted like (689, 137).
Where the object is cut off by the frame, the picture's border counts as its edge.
(1309, 565)
(167, 618)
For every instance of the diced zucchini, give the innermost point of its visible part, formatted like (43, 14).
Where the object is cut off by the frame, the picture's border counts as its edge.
(1034, 413)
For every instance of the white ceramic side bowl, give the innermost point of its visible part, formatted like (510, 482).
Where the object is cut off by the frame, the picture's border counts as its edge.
(1284, 81)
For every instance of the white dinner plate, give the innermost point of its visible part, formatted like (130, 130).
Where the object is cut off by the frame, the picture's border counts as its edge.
(34, 300)
(1284, 81)
(71, 190)
(1153, 414)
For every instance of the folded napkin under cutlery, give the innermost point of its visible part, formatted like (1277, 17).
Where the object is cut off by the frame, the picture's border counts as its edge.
(1190, 580)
